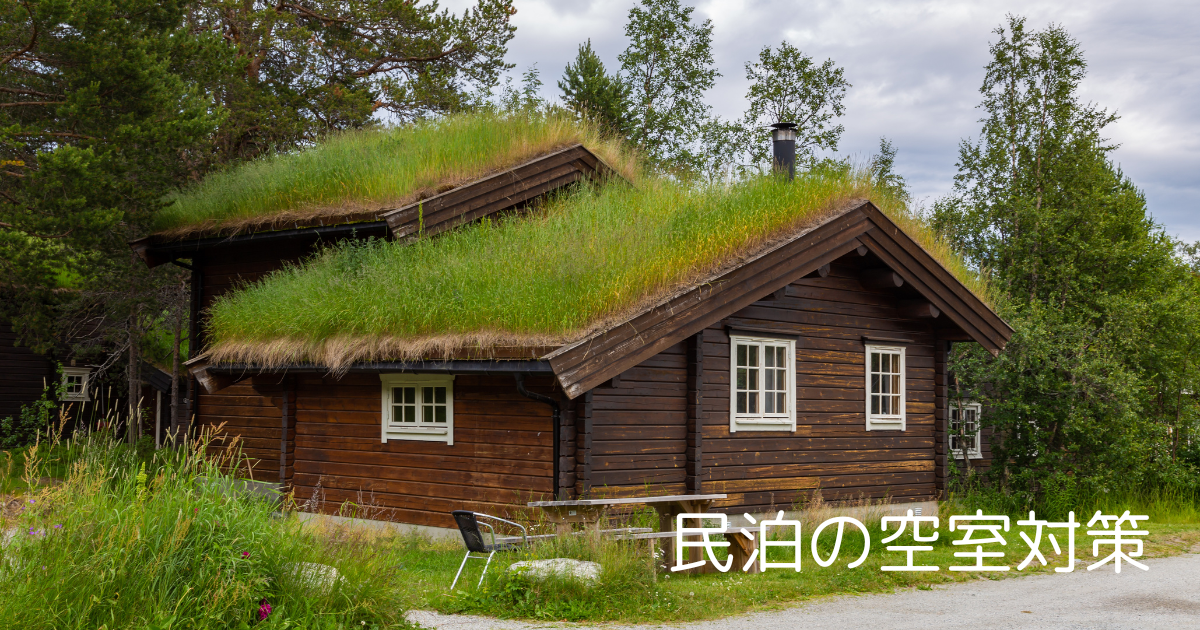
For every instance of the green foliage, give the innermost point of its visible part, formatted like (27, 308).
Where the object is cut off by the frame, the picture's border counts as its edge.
(788, 86)
(166, 543)
(592, 93)
(34, 420)
(100, 118)
(589, 255)
(314, 66)
(1094, 390)
(883, 170)
(668, 66)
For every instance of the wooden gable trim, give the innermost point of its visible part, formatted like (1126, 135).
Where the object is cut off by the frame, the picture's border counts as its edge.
(587, 363)
(583, 365)
(934, 282)
(491, 194)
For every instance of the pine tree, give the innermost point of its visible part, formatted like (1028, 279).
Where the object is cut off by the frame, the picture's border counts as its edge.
(592, 93)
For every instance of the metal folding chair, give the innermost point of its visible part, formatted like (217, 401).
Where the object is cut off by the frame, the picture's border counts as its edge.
(468, 526)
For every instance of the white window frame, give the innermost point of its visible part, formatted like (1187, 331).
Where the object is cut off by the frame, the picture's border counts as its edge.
(975, 451)
(889, 422)
(85, 375)
(425, 431)
(762, 421)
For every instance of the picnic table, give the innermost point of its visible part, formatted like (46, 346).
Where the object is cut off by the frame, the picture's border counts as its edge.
(592, 511)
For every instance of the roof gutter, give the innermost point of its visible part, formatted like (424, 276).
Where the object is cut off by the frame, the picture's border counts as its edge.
(157, 254)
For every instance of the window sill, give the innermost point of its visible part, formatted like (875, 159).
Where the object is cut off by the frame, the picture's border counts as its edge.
(762, 425)
(958, 455)
(432, 434)
(880, 425)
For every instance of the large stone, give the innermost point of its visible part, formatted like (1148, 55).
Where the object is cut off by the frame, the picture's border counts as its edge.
(319, 578)
(586, 572)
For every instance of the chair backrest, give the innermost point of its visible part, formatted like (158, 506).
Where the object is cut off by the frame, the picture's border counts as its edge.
(469, 528)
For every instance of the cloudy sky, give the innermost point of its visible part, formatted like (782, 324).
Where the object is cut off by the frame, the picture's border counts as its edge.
(916, 67)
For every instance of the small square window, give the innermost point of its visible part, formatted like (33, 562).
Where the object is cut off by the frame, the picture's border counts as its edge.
(418, 407)
(763, 377)
(885, 387)
(75, 383)
(964, 429)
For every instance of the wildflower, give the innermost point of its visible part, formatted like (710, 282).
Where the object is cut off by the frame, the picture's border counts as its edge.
(264, 609)
(58, 526)
(32, 501)
(245, 554)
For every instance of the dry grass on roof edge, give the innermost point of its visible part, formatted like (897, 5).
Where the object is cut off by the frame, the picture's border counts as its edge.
(340, 353)
(614, 152)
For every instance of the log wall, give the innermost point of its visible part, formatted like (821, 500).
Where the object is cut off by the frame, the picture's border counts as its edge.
(23, 373)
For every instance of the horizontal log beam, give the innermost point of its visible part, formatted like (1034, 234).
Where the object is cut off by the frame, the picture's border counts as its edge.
(922, 309)
(882, 278)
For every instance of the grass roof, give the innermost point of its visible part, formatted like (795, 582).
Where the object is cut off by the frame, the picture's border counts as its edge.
(353, 174)
(583, 262)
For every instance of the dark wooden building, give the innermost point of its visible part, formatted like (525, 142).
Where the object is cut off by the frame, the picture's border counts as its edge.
(818, 365)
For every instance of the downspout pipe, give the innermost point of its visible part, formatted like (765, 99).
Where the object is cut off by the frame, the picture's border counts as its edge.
(555, 414)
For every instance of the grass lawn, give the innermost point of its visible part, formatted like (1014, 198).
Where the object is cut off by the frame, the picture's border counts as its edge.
(628, 592)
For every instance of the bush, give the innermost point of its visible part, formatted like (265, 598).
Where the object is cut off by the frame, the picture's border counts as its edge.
(33, 420)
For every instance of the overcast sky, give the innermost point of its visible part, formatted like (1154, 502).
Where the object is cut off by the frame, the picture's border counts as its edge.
(916, 67)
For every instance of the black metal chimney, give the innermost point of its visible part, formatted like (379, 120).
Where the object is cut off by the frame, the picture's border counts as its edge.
(783, 146)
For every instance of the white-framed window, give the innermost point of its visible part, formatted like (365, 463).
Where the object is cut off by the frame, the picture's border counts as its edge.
(75, 383)
(885, 387)
(968, 419)
(762, 379)
(418, 407)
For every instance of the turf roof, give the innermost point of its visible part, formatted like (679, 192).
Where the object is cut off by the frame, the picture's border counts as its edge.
(352, 176)
(587, 260)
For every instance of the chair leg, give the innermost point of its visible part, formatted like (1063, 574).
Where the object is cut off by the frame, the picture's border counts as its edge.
(460, 569)
(485, 568)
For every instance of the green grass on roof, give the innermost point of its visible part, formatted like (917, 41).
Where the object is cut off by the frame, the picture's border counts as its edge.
(363, 171)
(583, 261)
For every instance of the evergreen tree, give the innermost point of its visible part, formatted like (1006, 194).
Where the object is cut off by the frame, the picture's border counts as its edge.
(668, 66)
(591, 92)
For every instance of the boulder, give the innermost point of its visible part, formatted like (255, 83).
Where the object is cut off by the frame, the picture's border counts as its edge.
(586, 572)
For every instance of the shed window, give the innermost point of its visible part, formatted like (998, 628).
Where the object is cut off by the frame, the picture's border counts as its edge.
(885, 387)
(418, 407)
(968, 419)
(762, 396)
(75, 383)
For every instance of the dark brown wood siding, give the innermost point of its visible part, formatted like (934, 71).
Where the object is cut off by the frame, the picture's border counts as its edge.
(639, 428)
(23, 373)
(253, 411)
(500, 458)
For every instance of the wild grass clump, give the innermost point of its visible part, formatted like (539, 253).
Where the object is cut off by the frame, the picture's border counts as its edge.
(357, 171)
(585, 260)
(126, 543)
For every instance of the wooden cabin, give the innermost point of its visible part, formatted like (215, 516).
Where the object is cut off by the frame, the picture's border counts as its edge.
(815, 365)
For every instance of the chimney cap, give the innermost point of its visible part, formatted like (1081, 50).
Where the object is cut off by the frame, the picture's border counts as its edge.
(784, 125)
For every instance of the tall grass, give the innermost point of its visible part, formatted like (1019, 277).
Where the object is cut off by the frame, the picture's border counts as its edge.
(368, 170)
(587, 258)
(155, 542)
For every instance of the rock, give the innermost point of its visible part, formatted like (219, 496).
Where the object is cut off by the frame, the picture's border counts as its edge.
(314, 576)
(586, 572)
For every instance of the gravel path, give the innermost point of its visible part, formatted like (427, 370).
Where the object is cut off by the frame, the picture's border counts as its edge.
(1167, 596)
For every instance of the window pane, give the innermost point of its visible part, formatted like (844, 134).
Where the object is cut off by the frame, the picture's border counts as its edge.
(752, 353)
(752, 379)
(439, 395)
(779, 404)
(410, 395)
(753, 402)
(770, 404)
(874, 404)
(427, 395)
(769, 358)
(440, 414)
(741, 379)
(741, 354)
(875, 383)
(741, 402)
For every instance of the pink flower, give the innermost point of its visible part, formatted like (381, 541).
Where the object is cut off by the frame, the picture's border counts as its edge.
(245, 554)
(264, 609)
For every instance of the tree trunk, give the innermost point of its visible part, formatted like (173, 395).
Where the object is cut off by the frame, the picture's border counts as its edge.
(178, 333)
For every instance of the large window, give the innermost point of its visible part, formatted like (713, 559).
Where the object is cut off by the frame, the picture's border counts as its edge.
(762, 379)
(885, 387)
(418, 407)
(965, 421)
(75, 383)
